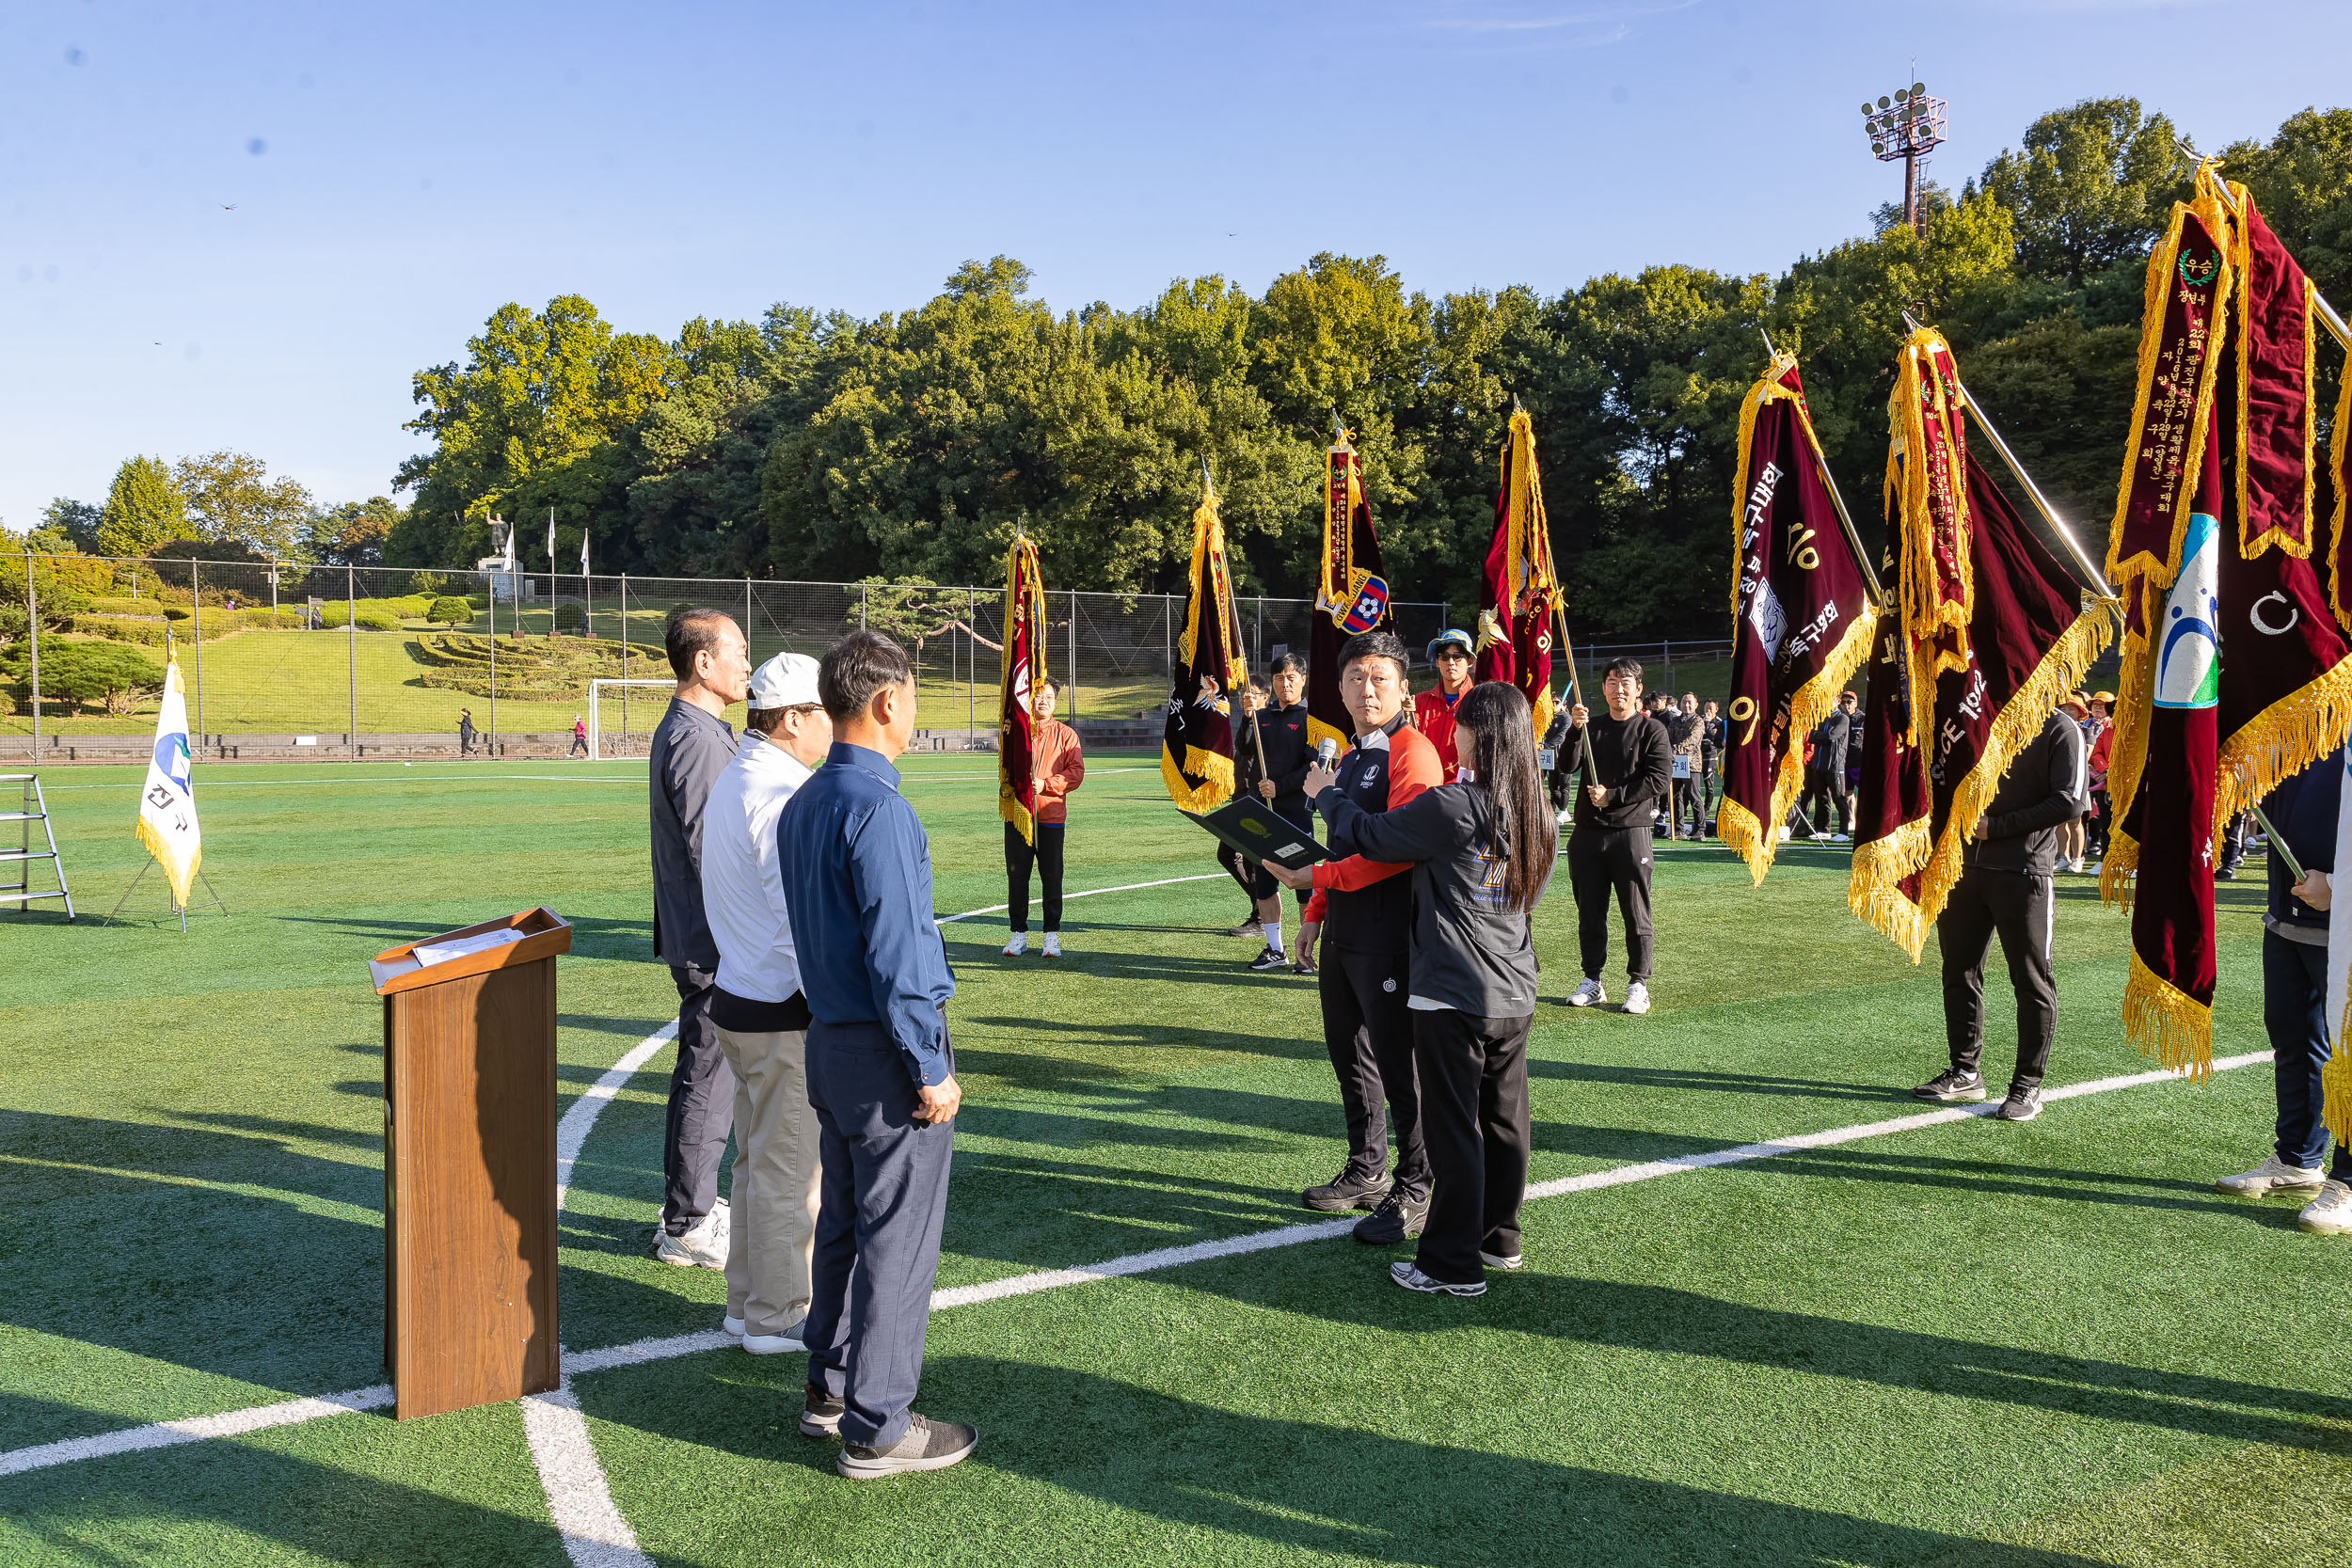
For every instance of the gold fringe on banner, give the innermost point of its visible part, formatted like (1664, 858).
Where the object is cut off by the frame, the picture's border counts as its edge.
(2119, 868)
(2169, 1025)
(2283, 739)
(2336, 453)
(1806, 710)
(1874, 888)
(1215, 770)
(2335, 1085)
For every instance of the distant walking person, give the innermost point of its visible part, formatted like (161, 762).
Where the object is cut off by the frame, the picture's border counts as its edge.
(758, 1010)
(1482, 850)
(465, 732)
(1685, 743)
(1057, 763)
(1627, 774)
(693, 744)
(882, 1079)
(1825, 800)
(579, 739)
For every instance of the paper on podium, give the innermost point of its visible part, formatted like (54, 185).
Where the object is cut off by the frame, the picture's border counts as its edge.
(1251, 826)
(430, 953)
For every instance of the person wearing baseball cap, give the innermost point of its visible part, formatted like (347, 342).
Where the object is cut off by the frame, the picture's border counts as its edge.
(2075, 834)
(1433, 711)
(758, 1009)
(2100, 730)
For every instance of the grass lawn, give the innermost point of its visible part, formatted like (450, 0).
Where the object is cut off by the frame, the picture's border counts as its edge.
(1962, 1344)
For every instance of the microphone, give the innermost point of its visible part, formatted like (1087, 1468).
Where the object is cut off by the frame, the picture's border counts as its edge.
(1326, 751)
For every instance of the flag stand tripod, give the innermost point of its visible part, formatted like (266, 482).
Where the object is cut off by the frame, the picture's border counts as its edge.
(177, 908)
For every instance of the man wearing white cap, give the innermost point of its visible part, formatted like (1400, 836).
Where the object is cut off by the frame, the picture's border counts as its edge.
(760, 1013)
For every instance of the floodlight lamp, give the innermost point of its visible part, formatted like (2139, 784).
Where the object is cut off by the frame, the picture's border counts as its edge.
(1900, 95)
(1882, 101)
(1865, 108)
(1918, 87)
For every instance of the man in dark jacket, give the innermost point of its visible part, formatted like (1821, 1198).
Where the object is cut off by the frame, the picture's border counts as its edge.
(690, 749)
(2004, 886)
(1825, 775)
(1280, 728)
(2294, 996)
(1628, 772)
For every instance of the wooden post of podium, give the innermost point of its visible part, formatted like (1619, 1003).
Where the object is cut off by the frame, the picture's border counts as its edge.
(469, 1163)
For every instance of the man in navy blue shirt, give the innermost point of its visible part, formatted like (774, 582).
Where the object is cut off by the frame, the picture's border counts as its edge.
(857, 881)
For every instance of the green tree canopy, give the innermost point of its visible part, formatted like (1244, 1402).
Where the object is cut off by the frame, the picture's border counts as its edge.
(144, 507)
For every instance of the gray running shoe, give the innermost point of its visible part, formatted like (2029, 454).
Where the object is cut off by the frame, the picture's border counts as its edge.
(1406, 1273)
(820, 1413)
(2021, 1105)
(926, 1445)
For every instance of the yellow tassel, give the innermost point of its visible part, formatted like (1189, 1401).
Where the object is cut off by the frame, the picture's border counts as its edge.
(2167, 1023)
(1738, 828)
(1215, 770)
(2281, 740)
(2119, 868)
(1806, 708)
(2335, 1083)
(1874, 891)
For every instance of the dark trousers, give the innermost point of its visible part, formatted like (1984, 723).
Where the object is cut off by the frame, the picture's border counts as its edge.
(2234, 834)
(1825, 801)
(1368, 1031)
(579, 748)
(2096, 827)
(1603, 860)
(1473, 1111)
(702, 1107)
(2021, 907)
(2295, 1012)
(1699, 792)
(1046, 855)
(882, 1194)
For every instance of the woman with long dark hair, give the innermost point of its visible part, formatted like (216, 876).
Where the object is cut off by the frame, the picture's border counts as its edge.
(1482, 850)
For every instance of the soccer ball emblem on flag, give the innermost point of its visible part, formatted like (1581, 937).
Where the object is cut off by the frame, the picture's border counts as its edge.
(1369, 607)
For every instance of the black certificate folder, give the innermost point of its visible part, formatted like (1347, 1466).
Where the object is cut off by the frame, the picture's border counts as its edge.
(1251, 827)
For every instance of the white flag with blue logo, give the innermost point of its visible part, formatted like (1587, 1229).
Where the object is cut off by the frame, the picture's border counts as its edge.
(167, 804)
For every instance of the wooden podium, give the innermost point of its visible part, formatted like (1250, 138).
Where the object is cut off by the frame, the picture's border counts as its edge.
(469, 1288)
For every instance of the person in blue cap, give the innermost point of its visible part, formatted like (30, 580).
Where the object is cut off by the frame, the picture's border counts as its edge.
(1433, 711)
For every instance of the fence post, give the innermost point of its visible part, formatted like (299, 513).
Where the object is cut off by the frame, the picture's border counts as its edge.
(625, 675)
(196, 622)
(32, 636)
(1668, 644)
(1257, 633)
(1167, 636)
(863, 594)
(747, 617)
(492, 577)
(351, 642)
(1073, 656)
(972, 660)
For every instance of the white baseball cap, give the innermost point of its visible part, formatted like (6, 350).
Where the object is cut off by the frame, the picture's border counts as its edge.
(788, 680)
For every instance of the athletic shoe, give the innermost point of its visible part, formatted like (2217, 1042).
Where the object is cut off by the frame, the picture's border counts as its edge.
(2226, 874)
(1249, 928)
(1494, 1260)
(2331, 1213)
(704, 1245)
(2273, 1175)
(1404, 1273)
(1397, 1217)
(1304, 966)
(732, 1327)
(1052, 945)
(1589, 994)
(2090, 869)
(787, 1343)
(1637, 998)
(1347, 1191)
(820, 1413)
(1950, 1085)
(1270, 958)
(1018, 946)
(1841, 838)
(1785, 836)
(1563, 818)
(2021, 1105)
(926, 1445)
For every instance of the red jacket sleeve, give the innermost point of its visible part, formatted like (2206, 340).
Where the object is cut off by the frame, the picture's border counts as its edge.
(1413, 766)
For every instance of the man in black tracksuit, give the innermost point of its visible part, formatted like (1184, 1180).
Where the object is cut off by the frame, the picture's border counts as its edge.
(1825, 800)
(2004, 886)
(1628, 769)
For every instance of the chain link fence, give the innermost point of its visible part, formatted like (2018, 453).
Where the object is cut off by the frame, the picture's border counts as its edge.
(290, 662)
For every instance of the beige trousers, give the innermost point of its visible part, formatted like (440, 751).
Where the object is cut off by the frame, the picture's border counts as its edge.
(773, 1209)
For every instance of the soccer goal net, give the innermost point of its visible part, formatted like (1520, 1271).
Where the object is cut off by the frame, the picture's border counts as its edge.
(621, 716)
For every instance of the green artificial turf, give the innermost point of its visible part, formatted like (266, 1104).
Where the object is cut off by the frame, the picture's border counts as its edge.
(1971, 1344)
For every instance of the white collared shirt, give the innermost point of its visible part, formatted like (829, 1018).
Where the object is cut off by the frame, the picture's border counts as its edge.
(742, 878)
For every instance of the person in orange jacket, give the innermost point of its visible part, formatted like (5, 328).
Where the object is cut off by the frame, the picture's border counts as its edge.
(1058, 766)
(1433, 711)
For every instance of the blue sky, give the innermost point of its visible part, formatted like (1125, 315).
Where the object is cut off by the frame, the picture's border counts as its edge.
(246, 226)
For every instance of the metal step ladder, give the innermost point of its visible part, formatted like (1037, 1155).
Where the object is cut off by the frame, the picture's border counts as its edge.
(22, 893)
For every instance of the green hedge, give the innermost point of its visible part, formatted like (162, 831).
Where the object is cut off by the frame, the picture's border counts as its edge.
(449, 611)
(371, 614)
(216, 624)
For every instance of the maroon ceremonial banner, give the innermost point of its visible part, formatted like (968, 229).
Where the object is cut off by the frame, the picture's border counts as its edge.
(1351, 591)
(1927, 490)
(1196, 748)
(1023, 666)
(1802, 615)
(1522, 589)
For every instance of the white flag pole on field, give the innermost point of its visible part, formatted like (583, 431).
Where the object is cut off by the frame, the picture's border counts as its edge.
(167, 823)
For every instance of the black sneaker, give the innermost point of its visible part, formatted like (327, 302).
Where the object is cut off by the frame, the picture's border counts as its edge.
(2021, 1105)
(1397, 1217)
(820, 1413)
(1249, 927)
(1951, 1085)
(1347, 1191)
(1270, 958)
(927, 1445)
(1304, 966)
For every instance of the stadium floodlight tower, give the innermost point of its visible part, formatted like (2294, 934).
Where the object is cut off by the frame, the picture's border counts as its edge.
(1907, 125)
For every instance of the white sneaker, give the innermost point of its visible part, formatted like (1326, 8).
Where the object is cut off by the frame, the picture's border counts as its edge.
(1562, 818)
(1841, 838)
(1018, 946)
(2331, 1213)
(1589, 994)
(1784, 833)
(704, 1247)
(2272, 1176)
(731, 1326)
(1637, 998)
(2089, 870)
(787, 1343)
(1052, 945)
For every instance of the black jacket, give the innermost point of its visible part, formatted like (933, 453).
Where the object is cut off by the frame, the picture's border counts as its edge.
(1468, 951)
(1630, 760)
(2043, 787)
(1830, 739)
(1287, 755)
(2303, 809)
(691, 748)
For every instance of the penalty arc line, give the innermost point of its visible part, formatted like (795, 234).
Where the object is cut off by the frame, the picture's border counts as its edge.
(637, 1352)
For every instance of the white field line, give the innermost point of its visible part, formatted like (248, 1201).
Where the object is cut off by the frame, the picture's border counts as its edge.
(579, 1498)
(1092, 891)
(639, 1352)
(571, 1134)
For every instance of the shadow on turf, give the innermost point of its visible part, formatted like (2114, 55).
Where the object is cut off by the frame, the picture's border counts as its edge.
(1174, 1469)
(592, 937)
(1719, 1083)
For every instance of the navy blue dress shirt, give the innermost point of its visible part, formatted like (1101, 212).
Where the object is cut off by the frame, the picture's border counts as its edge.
(857, 879)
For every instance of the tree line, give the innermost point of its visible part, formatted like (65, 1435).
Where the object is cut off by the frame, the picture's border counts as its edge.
(911, 444)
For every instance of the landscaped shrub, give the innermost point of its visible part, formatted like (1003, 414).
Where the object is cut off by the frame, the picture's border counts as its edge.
(571, 619)
(371, 614)
(449, 611)
(82, 673)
